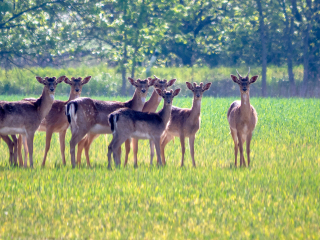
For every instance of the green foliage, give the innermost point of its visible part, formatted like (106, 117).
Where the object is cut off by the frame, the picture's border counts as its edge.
(276, 198)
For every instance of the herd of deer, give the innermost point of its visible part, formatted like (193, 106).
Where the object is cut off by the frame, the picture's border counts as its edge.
(136, 119)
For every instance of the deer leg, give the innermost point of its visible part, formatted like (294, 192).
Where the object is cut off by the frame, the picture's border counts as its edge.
(49, 133)
(157, 145)
(235, 140)
(191, 144)
(164, 142)
(26, 151)
(127, 146)
(80, 148)
(183, 148)
(135, 152)
(20, 150)
(249, 136)
(75, 139)
(87, 145)
(114, 147)
(8, 141)
(241, 150)
(62, 140)
(15, 151)
(30, 148)
(151, 143)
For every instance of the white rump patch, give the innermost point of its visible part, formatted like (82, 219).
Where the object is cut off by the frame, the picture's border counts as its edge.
(12, 131)
(100, 129)
(141, 135)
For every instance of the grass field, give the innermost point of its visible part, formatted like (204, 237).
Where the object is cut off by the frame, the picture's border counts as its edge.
(276, 198)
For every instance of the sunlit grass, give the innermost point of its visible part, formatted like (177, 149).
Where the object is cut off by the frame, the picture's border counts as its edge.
(276, 198)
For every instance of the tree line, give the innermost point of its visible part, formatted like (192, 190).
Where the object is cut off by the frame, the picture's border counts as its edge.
(127, 33)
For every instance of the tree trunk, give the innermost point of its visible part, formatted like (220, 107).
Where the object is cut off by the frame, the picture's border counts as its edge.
(264, 50)
(123, 68)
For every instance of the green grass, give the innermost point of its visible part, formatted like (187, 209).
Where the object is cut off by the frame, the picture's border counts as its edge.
(276, 198)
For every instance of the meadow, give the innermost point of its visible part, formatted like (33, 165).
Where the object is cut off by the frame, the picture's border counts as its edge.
(277, 197)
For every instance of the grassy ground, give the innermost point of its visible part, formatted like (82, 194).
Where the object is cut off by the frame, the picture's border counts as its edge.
(276, 198)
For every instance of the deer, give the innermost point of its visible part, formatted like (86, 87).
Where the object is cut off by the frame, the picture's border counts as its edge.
(185, 123)
(126, 123)
(242, 118)
(24, 117)
(89, 116)
(150, 106)
(56, 120)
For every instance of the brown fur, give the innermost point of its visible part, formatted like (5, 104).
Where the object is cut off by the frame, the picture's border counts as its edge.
(185, 122)
(56, 120)
(242, 118)
(91, 117)
(150, 106)
(24, 117)
(128, 123)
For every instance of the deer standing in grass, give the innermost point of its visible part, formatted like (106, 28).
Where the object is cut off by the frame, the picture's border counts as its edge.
(88, 116)
(56, 120)
(242, 118)
(127, 123)
(151, 106)
(24, 117)
(185, 122)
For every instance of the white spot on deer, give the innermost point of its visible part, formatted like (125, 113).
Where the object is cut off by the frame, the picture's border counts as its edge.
(143, 100)
(12, 131)
(141, 135)
(52, 97)
(100, 129)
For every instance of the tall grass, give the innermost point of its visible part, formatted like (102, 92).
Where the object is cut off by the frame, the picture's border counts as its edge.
(276, 198)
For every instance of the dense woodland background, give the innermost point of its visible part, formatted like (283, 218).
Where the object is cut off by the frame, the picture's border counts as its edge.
(124, 35)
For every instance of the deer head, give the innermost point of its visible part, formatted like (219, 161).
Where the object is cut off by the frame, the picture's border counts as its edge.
(198, 89)
(142, 86)
(244, 82)
(168, 95)
(50, 83)
(76, 84)
(163, 84)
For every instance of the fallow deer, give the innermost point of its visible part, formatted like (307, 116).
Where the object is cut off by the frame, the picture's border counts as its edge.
(185, 122)
(150, 106)
(242, 117)
(56, 120)
(88, 116)
(127, 123)
(24, 117)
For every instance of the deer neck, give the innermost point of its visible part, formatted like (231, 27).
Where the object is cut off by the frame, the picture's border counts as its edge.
(73, 95)
(245, 104)
(45, 103)
(195, 109)
(165, 113)
(136, 103)
(152, 104)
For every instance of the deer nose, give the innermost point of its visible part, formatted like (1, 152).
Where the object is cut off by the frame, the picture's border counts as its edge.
(77, 90)
(198, 95)
(52, 89)
(143, 90)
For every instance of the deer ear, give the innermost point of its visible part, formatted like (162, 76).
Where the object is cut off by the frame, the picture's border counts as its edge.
(189, 85)
(85, 80)
(207, 86)
(176, 92)
(60, 79)
(131, 80)
(151, 82)
(234, 78)
(159, 92)
(253, 79)
(67, 81)
(40, 80)
(171, 82)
